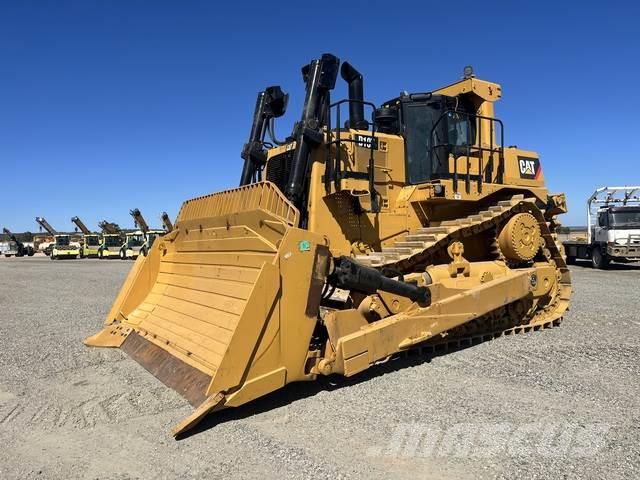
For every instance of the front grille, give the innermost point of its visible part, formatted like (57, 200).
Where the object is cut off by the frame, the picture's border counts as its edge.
(278, 169)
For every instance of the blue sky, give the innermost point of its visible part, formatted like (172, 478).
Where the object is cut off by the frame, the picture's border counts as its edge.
(110, 105)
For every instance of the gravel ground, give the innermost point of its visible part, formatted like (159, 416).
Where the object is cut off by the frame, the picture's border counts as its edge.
(552, 404)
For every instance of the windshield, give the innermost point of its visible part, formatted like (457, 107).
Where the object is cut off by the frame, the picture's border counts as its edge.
(62, 241)
(152, 238)
(431, 136)
(92, 240)
(112, 241)
(627, 218)
(135, 240)
(460, 129)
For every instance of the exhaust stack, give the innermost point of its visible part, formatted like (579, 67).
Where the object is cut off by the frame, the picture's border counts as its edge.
(356, 96)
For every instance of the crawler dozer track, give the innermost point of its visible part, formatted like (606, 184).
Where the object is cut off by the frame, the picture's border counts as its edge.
(426, 246)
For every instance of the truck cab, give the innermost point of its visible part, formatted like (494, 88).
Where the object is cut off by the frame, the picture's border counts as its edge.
(613, 228)
(12, 250)
(64, 248)
(133, 245)
(617, 230)
(111, 246)
(150, 238)
(91, 245)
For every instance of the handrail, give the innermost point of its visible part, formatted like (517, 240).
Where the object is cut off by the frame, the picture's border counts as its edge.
(475, 147)
(333, 169)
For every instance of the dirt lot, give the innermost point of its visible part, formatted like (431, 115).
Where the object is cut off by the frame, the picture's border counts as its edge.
(557, 403)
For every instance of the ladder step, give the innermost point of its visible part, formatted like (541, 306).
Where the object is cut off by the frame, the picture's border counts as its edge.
(433, 230)
(421, 237)
(386, 256)
(395, 250)
(410, 244)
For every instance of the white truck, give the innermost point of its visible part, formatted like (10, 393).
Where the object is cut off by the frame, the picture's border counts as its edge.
(613, 228)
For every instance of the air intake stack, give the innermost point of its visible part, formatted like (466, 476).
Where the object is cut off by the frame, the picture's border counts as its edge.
(356, 96)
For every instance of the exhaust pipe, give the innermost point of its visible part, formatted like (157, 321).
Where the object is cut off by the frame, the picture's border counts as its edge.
(356, 96)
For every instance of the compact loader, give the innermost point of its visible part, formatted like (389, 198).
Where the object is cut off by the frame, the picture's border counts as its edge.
(346, 244)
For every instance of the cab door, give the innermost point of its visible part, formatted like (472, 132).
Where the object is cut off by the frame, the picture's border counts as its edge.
(602, 227)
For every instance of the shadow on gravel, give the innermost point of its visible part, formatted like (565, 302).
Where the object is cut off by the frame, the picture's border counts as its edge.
(297, 391)
(612, 266)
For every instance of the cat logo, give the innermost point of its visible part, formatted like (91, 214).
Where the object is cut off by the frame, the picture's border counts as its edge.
(529, 168)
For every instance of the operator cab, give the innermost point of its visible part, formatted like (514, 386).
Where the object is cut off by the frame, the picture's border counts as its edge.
(135, 239)
(152, 235)
(112, 240)
(433, 127)
(92, 240)
(62, 240)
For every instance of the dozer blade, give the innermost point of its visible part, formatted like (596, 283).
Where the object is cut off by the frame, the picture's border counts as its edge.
(223, 308)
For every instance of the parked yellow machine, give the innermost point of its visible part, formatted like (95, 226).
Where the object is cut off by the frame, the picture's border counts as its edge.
(139, 242)
(345, 245)
(111, 241)
(62, 246)
(91, 241)
(132, 245)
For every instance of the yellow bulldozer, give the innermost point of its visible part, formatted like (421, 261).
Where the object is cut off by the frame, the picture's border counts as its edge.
(346, 244)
